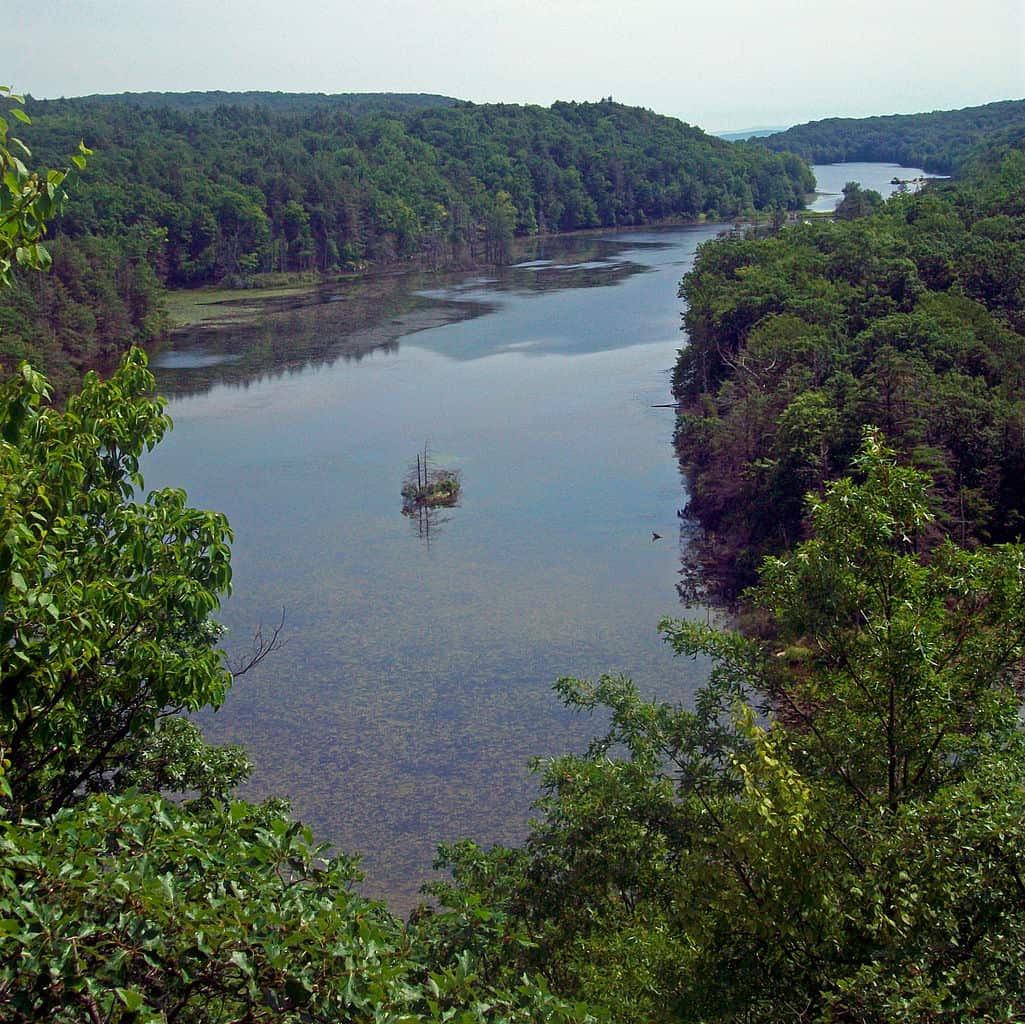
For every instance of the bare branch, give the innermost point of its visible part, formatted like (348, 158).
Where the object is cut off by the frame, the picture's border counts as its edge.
(260, 647)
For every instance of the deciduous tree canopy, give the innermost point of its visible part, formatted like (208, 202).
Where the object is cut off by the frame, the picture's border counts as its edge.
(327, 186)
(909, 319)
(941, 141)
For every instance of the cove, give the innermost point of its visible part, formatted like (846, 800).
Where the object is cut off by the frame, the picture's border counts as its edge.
(416, 682)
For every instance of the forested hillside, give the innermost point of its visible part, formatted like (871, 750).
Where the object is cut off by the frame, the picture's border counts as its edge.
(190, 193)
(939, 142)
(911, 319)
(243, 188)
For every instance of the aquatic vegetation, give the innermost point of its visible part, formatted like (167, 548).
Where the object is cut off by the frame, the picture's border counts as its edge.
(425, 487)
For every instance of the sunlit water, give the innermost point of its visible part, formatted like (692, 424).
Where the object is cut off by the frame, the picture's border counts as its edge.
(831, 178)
(416, 682)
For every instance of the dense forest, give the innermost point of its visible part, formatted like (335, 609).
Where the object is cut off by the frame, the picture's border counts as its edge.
(910, 319)
(280, 102)
(940, 142)
(830, 832)
(239, 188)
(216, 187)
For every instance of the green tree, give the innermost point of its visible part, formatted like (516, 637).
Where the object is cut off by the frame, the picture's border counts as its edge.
(498, 228)
(129, 909)
(243, 230)
(857, 202)
(107, 597)
(27, 199)
(827, 833)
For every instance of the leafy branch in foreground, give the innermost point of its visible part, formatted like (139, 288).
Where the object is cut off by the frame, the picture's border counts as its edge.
(132, 909)
(27, 199)
(106, 599)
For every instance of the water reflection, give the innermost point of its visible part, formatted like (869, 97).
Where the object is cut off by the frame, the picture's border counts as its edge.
(346, 322)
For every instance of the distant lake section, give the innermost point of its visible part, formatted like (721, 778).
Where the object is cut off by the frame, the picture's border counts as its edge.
(831, 178)
(416, 683)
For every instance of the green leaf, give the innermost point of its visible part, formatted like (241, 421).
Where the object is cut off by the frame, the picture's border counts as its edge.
(132, 1000)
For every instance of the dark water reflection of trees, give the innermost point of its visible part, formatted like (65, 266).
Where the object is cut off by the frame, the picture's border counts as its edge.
(348, 320)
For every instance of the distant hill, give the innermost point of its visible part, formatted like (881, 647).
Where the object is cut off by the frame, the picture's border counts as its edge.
(940, 141)
(279, 102)
(195, 188)
(744, 134)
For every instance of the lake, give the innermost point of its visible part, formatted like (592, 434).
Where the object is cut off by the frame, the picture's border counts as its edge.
(415, 685)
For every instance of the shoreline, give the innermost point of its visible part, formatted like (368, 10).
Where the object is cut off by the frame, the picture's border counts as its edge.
(320, 324)
(231, 336)
(215, 306)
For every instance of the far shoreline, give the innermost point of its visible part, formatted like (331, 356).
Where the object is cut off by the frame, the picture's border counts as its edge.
(374, 308)
(212, 306)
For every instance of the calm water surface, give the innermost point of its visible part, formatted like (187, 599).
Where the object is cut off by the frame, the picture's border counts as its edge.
(415, 685)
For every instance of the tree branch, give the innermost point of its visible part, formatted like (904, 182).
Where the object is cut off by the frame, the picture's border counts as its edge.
(260, 647)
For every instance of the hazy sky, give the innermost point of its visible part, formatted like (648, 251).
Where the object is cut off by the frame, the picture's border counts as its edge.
(719, 63)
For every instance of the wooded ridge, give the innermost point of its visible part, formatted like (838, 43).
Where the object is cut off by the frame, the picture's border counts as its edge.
(940, 142)
(911, 319)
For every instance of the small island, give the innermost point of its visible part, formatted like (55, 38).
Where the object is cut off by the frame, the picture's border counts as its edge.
(426, 488)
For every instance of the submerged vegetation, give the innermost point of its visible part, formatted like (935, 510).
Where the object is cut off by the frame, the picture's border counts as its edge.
(831, 832)
(117, 903)
(427, 487)
(442, 488)
(426, 492)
